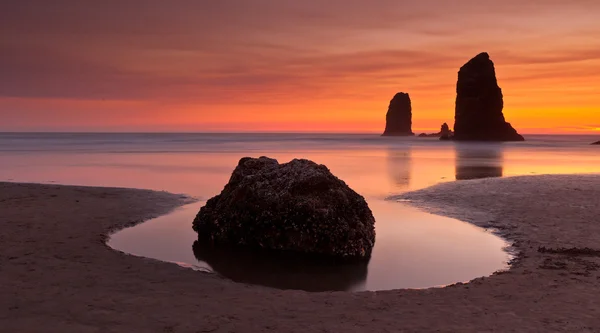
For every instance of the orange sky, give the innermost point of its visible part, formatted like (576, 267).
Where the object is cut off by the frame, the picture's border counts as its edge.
(287, 65)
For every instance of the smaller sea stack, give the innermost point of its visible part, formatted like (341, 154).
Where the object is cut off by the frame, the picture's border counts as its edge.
(398, 120)
(444, 132)
(479, 104)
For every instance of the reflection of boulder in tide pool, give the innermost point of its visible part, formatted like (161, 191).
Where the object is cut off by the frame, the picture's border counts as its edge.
(474, 161)
(399, 164)
(282, 270)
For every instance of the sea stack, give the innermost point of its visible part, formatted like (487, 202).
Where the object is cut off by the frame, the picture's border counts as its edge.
(444, 132)
(479, 104)
(398, 120)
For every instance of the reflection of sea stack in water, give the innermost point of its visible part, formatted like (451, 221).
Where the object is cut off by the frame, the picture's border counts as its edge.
(398, 120)
(473, 161)
(399, 164)
(479, 104)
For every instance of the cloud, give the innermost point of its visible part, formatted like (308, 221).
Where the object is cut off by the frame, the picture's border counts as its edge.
(44, 73)
(551, 57)
(303, 53)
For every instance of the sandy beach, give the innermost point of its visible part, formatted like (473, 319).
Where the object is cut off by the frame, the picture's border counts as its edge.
(58, 275)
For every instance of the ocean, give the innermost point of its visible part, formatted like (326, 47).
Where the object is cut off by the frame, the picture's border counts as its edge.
(413, 249)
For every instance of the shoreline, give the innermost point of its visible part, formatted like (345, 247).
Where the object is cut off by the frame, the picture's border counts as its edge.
(553, 221)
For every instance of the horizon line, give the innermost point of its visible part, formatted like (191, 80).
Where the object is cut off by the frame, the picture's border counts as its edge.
(250, 132)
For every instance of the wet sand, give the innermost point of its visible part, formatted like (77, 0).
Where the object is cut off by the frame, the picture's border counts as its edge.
(58, 275)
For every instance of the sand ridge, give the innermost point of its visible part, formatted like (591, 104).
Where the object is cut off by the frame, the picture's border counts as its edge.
(58, 275)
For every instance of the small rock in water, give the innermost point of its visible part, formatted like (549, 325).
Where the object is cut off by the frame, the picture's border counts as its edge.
(296, 207)
(444, 132)
(596, 143)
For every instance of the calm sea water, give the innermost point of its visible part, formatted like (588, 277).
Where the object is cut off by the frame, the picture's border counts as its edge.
(413, 249)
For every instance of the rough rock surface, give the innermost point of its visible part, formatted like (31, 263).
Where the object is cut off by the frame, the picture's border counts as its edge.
(479, 104)
(398, 120)
(295, 207)
(444, 131)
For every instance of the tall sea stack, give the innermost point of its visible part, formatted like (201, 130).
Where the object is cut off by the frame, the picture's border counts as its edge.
(398, 120)
(479, 104)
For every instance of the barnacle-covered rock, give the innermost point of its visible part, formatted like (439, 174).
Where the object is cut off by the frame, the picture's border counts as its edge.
(298, 207)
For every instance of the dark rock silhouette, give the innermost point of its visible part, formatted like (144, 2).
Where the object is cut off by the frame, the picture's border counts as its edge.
(281, 270)
(444, 131)
(474, 161)
(596, 143)
(398, 120)
(298, 207)
(479, 104)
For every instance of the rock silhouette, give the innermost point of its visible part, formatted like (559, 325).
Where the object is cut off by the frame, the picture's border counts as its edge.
(398, 120)
(479, 104)
(444, 131)
(298, 207)
(596, 143)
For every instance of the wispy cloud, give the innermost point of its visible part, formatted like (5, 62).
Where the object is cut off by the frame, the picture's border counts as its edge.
(312, 55)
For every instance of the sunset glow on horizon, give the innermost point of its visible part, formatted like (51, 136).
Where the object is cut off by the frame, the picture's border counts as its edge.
(291, 66)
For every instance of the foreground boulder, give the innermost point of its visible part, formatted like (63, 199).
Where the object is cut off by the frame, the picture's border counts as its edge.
(398, 120)
(479, 104)
(296, 207)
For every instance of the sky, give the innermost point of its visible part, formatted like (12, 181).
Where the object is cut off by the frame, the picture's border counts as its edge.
(290, 65)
